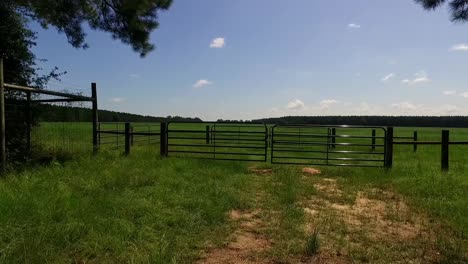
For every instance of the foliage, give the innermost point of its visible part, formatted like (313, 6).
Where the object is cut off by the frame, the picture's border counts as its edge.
(56, 113)
(15, 48)
(458, 8)
(397, 121)
(19, 68)
(130, 21)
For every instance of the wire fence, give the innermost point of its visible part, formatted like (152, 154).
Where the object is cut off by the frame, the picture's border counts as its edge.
(36, 122)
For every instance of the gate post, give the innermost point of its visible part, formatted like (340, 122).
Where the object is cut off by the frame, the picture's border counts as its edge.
(373, 139)
(333, 135)
(207, 135)
(2, 122)
(415, 139)
(127, 139)
(28, 121)
(389, 148)
(163, 140)
(95, 118)
(445, 150)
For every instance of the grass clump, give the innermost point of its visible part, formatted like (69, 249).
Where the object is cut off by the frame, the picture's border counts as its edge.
(312, 245)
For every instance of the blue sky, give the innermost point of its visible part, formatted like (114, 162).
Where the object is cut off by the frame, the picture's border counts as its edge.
(249, 59)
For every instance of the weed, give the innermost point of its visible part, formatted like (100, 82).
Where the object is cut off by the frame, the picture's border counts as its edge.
(312, 245)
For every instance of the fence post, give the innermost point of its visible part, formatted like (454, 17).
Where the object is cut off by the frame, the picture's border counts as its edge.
(415, 139)
(373, 139)
(127, 139)
(333, 137)
(28, 121)
(163, 140)
(2, 121)
(207, 134)
(445, 150)
(389, 148)
(95, 118)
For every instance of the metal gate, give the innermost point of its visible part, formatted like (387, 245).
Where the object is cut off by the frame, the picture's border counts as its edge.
(329, 145)
(219, 141)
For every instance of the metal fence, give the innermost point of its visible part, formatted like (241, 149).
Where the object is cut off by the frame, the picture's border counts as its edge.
(20, 130)
(329, 145)
(120, 135)
(219, 141)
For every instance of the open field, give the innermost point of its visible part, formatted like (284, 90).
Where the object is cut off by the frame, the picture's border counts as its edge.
(145, 209)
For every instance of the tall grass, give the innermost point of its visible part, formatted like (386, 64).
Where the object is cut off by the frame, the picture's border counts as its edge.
(111, 209)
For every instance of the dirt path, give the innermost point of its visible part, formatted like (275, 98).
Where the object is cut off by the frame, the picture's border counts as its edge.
(365, 226)
(246, 244)
(377, 227)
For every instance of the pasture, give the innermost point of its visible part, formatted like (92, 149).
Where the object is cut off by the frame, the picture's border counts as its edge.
(146, 209)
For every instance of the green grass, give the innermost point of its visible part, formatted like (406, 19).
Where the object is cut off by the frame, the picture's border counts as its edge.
(144, 209)
(114, 210)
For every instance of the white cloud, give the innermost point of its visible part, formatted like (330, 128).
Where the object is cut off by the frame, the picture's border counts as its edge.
(201, 83)
(134, 75)
(459, 47)
(420, 77)
(388, 77)
(404, 106)
(117, 100)
(354, 26)
(327, 103)
(464, 94)
(448, 109)
(408, 108)
(217, 43)
(449, 92)
(295, 105)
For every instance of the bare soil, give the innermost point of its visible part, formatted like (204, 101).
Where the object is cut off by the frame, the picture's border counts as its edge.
(246, 244)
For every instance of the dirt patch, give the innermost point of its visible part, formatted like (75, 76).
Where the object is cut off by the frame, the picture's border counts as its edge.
(260, 171)
(375, 220)
(385, 218)
(311, 171)
(329, 187)
(311, 211)
(388, 219)
(326, 259)
(246, 244)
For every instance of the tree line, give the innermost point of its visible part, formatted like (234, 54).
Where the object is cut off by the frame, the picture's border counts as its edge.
(400, 121)
(55, 113)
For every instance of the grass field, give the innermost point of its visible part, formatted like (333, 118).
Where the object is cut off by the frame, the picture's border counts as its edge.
(146, 209)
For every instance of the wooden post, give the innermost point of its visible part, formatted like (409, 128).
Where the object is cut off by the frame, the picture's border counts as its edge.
(29, 121)
(373, 139)
(2, 121)
(207, 135)
(389, 148)
(127, 139)
(95, 118)
(163, 140)
(415, 139)
(333, 135)
(445, 150)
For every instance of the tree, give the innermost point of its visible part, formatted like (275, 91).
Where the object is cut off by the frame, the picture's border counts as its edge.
(130, 21)
(459, 8)
(15, 48)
